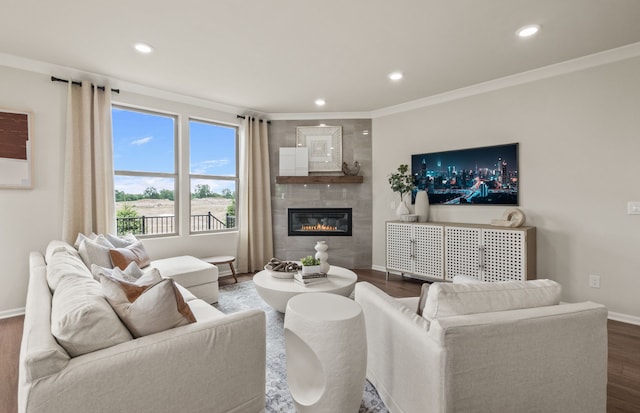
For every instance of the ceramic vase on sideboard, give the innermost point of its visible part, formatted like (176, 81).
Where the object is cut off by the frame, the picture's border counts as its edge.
(422, 206)
(402, 208)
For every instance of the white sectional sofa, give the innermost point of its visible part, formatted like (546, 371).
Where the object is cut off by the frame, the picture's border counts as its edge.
(215, 364)
(488, 347)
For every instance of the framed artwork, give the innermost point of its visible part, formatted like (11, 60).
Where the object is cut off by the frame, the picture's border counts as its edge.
(16, 149)
(324, 145)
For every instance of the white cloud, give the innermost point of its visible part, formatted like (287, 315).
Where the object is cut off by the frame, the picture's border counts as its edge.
(142, 141)
(206, 166)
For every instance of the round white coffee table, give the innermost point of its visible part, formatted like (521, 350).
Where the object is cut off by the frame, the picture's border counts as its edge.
(326, 351)
(277, 291)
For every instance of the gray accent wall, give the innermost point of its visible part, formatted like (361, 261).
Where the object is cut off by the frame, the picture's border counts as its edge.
(348, 252)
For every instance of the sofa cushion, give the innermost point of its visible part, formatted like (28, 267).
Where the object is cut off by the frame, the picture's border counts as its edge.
(147, 309)
(448, 299)
(55, 247)
(96, 252)
(81, 319)
(122, 257)
(63, 264)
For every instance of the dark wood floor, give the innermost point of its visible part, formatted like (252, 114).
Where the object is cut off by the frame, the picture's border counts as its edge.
(623, 394)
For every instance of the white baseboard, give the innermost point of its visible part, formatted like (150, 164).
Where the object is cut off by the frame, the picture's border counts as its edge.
(11, 313)
(379, 268)
(625, 318)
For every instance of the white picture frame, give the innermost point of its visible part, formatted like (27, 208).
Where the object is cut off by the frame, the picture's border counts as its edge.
(324, 146)
(16, 149)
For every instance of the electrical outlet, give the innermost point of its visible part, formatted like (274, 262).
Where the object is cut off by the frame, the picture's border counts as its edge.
(594, 281)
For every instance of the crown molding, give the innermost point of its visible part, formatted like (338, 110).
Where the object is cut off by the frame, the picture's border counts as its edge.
(319, 115)
(569, 66)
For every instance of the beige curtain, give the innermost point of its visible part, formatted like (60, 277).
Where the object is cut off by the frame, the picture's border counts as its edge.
(254, 204)
(88, 194)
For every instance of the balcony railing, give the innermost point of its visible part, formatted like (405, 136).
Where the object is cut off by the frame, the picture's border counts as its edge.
(166, 224)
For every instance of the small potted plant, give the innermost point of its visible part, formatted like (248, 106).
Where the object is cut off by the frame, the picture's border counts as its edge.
(402, 182)
(310, 265)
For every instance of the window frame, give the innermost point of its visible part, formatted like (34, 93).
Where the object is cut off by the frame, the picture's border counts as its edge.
(176, 165)
(235, 178)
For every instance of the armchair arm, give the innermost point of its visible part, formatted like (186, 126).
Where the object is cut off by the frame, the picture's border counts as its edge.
(403, 362)
(214, 366)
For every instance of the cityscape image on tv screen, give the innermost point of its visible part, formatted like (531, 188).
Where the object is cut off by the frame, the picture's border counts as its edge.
(486, 176)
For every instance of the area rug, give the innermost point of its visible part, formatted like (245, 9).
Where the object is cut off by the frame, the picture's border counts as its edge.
(243, 296)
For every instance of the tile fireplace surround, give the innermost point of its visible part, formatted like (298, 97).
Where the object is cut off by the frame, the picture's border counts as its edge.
(346, 251)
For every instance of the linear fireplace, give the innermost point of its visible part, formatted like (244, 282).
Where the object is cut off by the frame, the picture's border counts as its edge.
(320, 221)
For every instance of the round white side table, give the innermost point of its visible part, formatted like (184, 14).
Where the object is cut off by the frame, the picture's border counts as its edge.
(326, 352)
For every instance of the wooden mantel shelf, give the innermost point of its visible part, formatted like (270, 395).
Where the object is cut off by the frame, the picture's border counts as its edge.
(320, 179)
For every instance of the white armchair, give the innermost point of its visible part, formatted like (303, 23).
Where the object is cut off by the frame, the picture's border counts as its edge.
(546, 358)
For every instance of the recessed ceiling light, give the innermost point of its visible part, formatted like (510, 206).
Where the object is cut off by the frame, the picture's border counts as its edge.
(528, 31)
(143, 48)
(395, 76)
(365, 132)
(320, 102)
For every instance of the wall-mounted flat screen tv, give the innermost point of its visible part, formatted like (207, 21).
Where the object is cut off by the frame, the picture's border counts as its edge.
(474, 176)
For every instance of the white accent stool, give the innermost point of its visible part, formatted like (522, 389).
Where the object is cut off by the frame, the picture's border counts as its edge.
(326, 352)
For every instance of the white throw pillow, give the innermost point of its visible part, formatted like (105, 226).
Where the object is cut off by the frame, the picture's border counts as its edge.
(96, 252)
(132, 273)
(147, 309)
(461, 279)
(448, 299)
(81, 237)
(123, 241)
(81, 318)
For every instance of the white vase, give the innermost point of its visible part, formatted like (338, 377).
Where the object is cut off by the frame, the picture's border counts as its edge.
(322, 255)
(402, 208)
(422, 206)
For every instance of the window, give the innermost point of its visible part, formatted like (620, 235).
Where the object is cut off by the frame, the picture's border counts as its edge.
(213, 172)
(144, 159)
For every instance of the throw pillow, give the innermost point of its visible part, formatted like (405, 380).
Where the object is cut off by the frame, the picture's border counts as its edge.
(96, 251)
(448, 299)
(132, 273)
(147, 309)
(424, 291)
(122, 257)
(81, 318)
(81, 237)
(123, 241)
(461, 279)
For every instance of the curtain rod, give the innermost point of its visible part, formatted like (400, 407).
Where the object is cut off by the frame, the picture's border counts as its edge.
(73, 82)
(260, 120)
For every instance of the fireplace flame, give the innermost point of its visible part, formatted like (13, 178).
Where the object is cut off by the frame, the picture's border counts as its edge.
(318, 227)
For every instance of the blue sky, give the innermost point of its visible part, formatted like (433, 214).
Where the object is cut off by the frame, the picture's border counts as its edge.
(144, 142)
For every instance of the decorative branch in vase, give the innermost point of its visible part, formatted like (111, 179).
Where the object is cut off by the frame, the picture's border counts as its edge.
(402, 182)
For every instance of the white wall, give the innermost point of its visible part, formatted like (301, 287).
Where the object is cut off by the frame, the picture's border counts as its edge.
(29, 219)
(579, 138)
